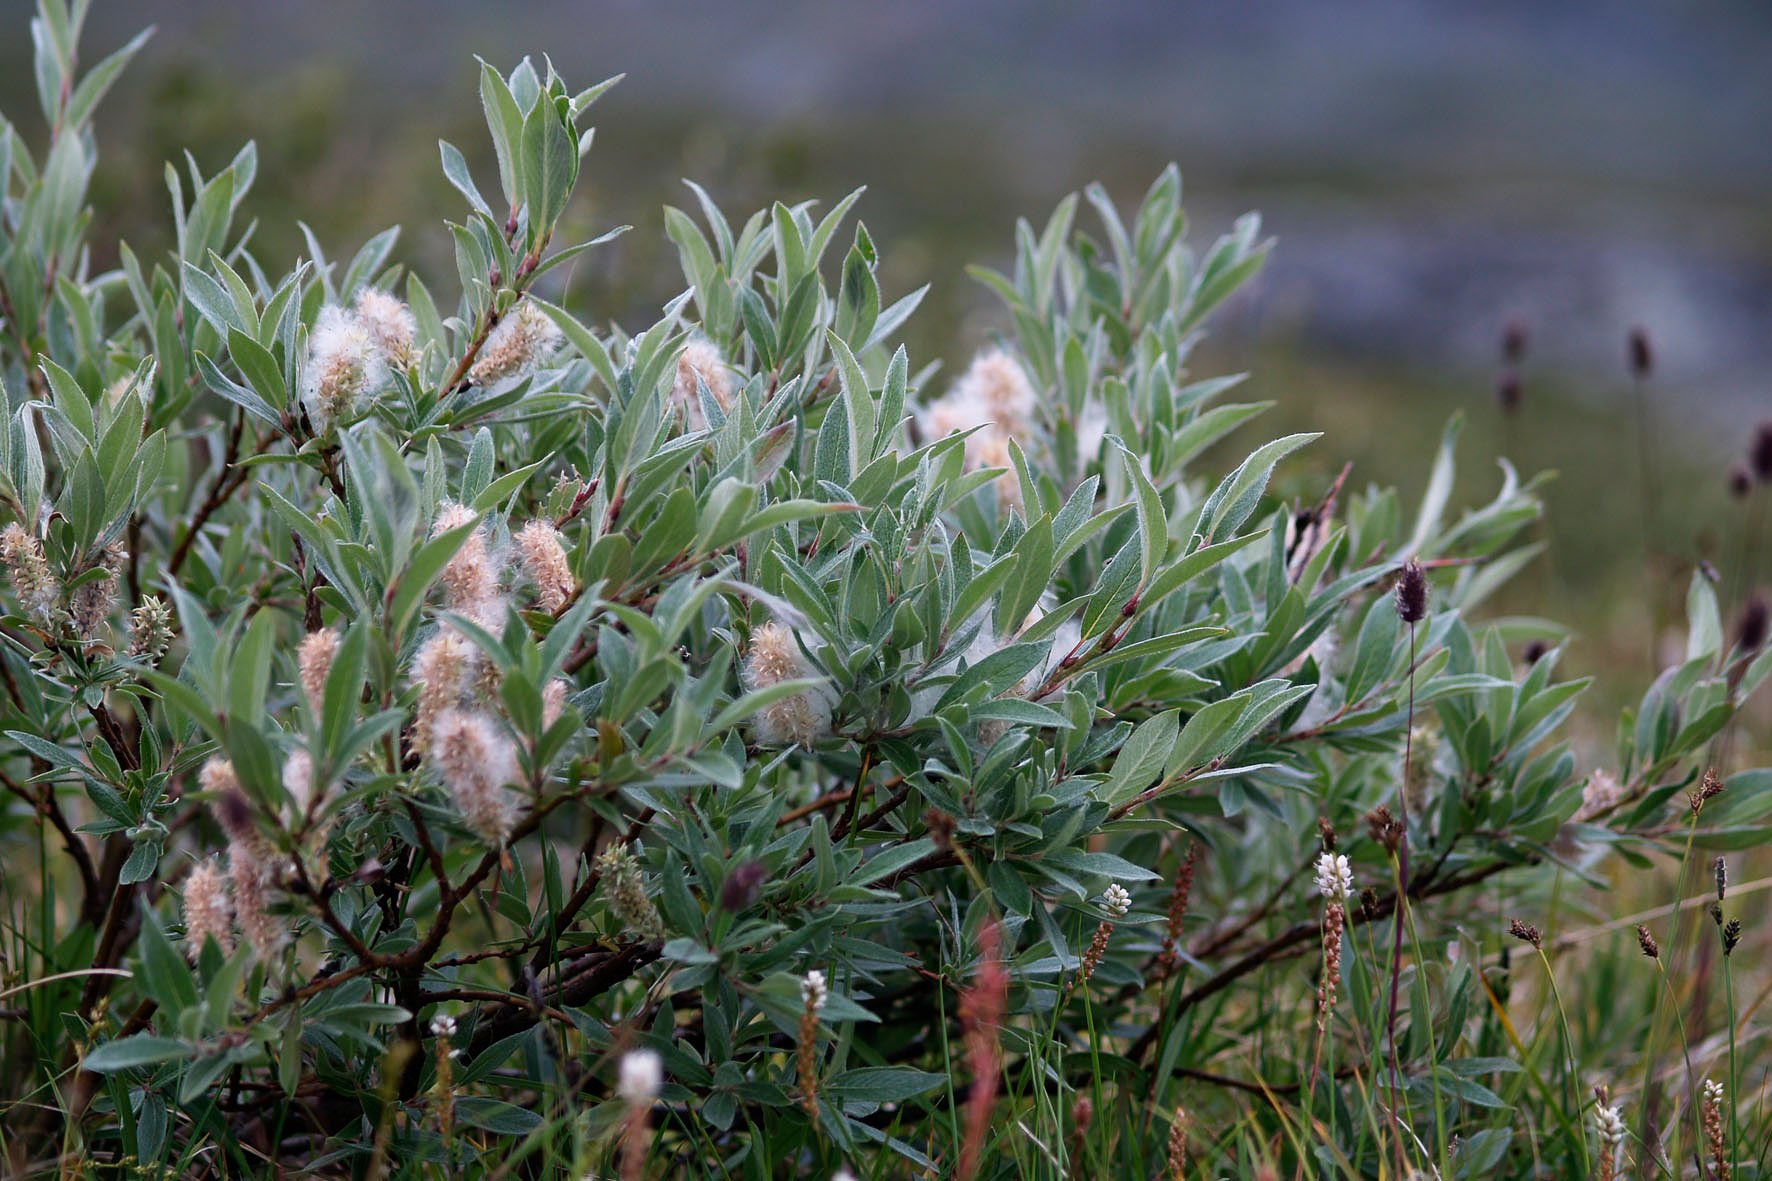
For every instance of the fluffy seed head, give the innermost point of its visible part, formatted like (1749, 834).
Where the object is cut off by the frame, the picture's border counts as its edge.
(553, 701)
(253, 865)
(343, 367)
(476, 761)
(92, 600)
(298, 779)
(1600, 794)
(389, 323)
(642, 1074)
(440, 669)
(775, 657)
(208, 912)
(1335, 878)
(544, 560)
(39, 592)
(701, 364)
(524, 338)
(470, 579)
(313, 660)
(996, 383)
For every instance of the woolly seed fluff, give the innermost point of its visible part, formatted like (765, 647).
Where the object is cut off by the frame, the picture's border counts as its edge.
(701, 360)
(344, 365)
(476, 762)
(775, 657)
(524, 338)
(544, 560)
(389, 323)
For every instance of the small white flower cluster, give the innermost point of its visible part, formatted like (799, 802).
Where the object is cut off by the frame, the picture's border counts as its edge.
(642, 1074)
(1713, 1092)
(1335, 878)
(442, 1025)
(1610, 1122)
(814, 991)
(1116, 901)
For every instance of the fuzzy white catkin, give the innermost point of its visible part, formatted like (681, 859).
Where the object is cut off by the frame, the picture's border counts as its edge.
(476, 761)
(700, 364)
(470, 579)
(298, 779)
(993, 394)
(208, 912)
(39, 592)
(525, 337)
(801, 717)
(389, 323)
(93, 600)
(343, 367)
(440, 669)
(313, 660)
(544, 560)
(253, 865)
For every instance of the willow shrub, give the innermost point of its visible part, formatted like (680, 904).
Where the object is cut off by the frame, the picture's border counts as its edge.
(451, 737)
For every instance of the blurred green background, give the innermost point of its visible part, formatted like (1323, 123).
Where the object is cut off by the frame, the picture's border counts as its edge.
(1430, 172)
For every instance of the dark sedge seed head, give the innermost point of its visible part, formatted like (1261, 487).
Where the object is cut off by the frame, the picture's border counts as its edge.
(1515, 335)
(1759, 457)
(1412, 593)
(1722, 872)
(1507, 391)
(1647, 942)
(1326, 832)
(1526, 933)
(1750, 632)
(1642, 357)
(1536, 651)
(1731, 935)
(1741, 481)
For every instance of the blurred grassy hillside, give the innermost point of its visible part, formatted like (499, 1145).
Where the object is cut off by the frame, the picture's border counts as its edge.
(1428, 177)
